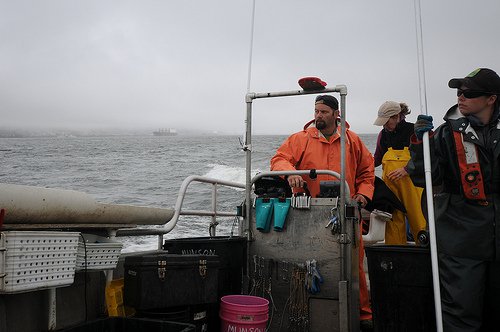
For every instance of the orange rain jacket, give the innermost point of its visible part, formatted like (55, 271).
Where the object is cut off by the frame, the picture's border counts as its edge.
(309, 149)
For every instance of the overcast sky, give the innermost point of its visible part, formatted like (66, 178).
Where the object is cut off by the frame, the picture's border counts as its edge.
(184, 64)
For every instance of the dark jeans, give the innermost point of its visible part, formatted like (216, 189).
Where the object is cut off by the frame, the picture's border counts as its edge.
(470, 294)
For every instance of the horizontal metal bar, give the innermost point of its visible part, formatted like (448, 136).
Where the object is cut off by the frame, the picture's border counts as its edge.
(161, 231)
(178, 207)
(255, 95)
(207, 213)
(301, 172)
(140, 232)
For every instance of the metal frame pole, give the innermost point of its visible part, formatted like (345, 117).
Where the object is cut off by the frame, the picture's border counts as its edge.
(248, 176)
(247, 147)
(52, 298)
(427, 171)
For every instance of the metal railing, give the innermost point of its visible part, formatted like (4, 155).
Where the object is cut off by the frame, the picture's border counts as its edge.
(302, 172)
(247, 147)
(213, 213)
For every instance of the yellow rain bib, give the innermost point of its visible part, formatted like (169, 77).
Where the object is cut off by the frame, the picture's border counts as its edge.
(408, 194)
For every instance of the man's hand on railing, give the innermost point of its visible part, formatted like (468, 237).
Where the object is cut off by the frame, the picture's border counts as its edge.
(295, 181)
(361, 199)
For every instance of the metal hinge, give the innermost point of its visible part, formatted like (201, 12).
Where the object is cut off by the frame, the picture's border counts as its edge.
(344, 239)
(203, 268)
(162, 270)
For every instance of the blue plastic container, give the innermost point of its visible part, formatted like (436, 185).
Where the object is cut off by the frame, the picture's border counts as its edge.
(263, 214)
(281, 207)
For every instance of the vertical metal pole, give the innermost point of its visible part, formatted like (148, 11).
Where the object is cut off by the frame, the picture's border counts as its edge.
(344, 316)
(52, 309)
(214, 206)
(160, 241)
(251, 48)
(248, 181)
(109, 273)
(345, 254)
(427, 171)
(245, 226)
(343, 268)
(432, 234)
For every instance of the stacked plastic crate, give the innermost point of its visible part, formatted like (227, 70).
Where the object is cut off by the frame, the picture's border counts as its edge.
(32, 260)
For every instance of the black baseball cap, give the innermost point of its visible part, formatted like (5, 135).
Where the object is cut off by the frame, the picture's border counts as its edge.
(481, 79)
(328, 100)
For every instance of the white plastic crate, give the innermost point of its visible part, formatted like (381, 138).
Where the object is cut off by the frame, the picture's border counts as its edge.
(32, 260)
(101, 252)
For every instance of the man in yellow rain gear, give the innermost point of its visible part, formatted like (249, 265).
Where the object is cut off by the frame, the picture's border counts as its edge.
(392, 152)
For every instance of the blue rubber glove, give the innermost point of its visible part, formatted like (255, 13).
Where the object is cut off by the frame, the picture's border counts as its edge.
(422, 125)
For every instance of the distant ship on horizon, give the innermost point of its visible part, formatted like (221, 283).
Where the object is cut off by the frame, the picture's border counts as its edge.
(165, 132)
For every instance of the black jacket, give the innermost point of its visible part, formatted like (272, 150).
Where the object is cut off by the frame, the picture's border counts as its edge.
(463, 227)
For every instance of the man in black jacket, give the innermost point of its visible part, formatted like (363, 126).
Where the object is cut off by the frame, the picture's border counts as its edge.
(465, 155)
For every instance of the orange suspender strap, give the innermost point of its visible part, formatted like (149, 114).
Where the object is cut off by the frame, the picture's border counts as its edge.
(470, 170)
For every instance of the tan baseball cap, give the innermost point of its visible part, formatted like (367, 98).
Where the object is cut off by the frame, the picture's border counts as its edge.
(388, 109)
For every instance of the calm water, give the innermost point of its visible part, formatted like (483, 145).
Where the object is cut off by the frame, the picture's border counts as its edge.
(141, 170)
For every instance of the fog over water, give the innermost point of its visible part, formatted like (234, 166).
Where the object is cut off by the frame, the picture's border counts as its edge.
(142, 65)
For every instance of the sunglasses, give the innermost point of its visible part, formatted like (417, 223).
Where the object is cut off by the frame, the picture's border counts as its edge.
(469, 94)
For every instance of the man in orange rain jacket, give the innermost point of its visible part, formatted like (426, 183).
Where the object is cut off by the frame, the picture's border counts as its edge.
(318, 147)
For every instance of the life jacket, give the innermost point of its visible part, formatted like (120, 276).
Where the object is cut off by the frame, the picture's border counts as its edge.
(470, 169)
